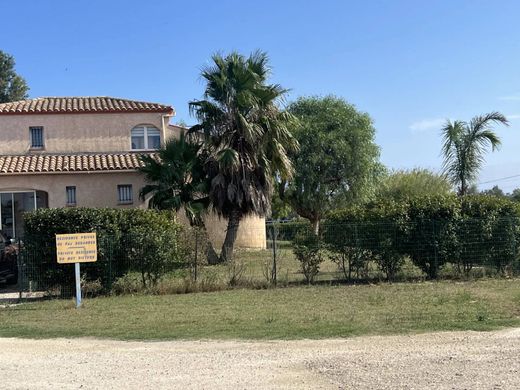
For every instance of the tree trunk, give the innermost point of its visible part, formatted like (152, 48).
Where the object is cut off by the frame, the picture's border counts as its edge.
(211, 254)
(231, 234)
(315, 225)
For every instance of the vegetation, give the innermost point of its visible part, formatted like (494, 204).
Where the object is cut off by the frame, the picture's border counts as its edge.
(245, 135)
(142, 241)
(337, 159)
(464, 147)
(307, 249)
(290, 313)
(12, 86)
(431, 231)
(176, 179)
(415, 183)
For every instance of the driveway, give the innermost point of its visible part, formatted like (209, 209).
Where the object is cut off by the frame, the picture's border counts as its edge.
(449, 360)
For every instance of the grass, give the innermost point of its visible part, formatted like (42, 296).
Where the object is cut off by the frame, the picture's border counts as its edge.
(284, 313)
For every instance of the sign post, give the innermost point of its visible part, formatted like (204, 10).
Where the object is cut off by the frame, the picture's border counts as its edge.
(76, 248)
(78, 285)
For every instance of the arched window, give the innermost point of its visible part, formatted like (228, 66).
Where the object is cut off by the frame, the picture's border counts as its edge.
(145, 137)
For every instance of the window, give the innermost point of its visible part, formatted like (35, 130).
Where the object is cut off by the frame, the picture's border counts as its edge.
(13, 205)
(146, 137)
(71, 195)
(124, 193)
(36, 137)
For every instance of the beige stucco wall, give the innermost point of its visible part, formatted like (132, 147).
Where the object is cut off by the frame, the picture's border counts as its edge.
(251, 231)
(78, 133)
(92, 189)
(100, 190)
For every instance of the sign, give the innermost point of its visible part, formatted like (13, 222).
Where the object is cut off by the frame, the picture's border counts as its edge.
(76, 248)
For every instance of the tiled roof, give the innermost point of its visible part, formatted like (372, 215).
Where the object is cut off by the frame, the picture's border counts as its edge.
(50, 163)
(88, 104)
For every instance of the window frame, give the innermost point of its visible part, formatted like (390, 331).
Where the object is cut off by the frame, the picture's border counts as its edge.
(131, 192)
(73, 188)
(31, 139)
(145, 135)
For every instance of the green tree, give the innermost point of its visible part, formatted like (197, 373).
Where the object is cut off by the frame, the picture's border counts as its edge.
(495, 191)
(464, 147)
(415, 183)
(176, 179)
(246, 137)
(12, 86)
(515, 195)
(337, 160)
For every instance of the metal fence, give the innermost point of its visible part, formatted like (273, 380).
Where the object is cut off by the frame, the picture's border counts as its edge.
(292, 254)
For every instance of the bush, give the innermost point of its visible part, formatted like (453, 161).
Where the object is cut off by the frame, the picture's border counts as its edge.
(286, 231)
(372, 231)
(432, 231)
(306, 248)
(143, 241)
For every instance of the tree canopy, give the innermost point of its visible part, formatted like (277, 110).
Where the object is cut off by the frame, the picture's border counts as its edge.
(415, 183)
(465, 145)
(245, 135)
(12, 86)
(176, 179)
(337, 160)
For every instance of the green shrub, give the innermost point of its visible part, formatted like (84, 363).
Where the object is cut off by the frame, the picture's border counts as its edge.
(285, 231)
(432, 231)
(372, 230)
(429, 231)
(307, 249)
(143, 241)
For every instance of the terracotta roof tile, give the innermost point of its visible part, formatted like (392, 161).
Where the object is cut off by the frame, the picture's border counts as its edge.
(50, 163)
(63, 105)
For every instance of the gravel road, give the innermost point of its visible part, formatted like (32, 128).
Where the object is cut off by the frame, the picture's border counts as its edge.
(450, 360)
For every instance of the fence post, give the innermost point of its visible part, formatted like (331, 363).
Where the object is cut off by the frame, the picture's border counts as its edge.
(435, 250)
(273, 272)
(110, 257)
(514, 260)
(196, 254)
(19, 270)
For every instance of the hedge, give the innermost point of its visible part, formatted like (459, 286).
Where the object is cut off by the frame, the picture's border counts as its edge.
(138, 240)
(431, 231)
(286, 231)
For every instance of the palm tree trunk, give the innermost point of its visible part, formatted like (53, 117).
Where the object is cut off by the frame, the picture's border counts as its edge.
(231, 235)
(211, 254)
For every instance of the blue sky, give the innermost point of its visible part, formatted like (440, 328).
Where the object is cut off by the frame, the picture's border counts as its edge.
(409, 64)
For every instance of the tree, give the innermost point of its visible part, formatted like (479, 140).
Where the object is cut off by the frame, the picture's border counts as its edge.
(515, 195)
(246, 137)
(415, 183)
(464, 147)
(12, 86)
(495, 191)
(337, 160)
(176, 179)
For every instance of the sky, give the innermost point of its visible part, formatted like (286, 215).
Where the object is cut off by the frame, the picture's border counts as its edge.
(410, 64)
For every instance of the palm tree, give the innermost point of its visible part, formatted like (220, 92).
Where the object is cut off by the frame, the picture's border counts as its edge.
(176, 179)
(464, 147)
(245, 135)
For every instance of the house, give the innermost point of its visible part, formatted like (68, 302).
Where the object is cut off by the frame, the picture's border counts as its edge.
(85, 151)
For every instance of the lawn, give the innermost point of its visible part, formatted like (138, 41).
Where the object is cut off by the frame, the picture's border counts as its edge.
(294, 312)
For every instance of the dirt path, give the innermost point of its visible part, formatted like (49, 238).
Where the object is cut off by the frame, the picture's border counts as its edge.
(452, 360)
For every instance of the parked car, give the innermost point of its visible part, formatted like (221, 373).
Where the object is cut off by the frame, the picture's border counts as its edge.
(8, 260)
